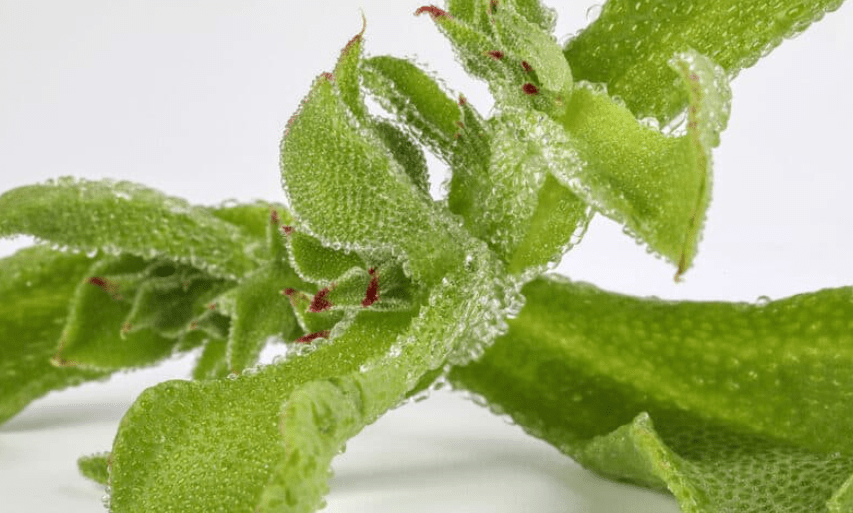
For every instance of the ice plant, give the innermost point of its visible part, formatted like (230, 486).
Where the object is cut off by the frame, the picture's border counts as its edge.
(381, 290)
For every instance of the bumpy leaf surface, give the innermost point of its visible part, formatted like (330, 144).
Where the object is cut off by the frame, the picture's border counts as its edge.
(629, 44)
(95, 467)
(347, 189)
(122, 217)
(36, 285)
(657, 186)
(751, 403)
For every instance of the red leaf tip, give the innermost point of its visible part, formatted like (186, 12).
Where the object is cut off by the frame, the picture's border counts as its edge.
(530, 89)
(371, 295)
(319, 303)
(496, 55)
(433, 11)
(306, 339)
(527, 67)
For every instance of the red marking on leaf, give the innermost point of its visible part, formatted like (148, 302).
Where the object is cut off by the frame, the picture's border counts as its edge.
(462, 101)
(273, 217)
(372, 294)
(307, 339)
(530, 89)
(496, 55)
(433, 11)
(105, 285)
(356, 38)
(457, 135)
(319, 302)
(328, 76)
(193, 325)
(460, 124)
(211, 306)
(287, 229)
(527, 67)
(126, 327)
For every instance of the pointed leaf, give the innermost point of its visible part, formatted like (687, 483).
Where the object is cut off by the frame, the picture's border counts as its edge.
(752, 403)
(95, 467)
(317, 263)
(96, 334)
(628, 46)
(657, 186)
(36, 285)
(122, 217)
(326, 157)
(347, 74)
(258, 311)
(415, 98)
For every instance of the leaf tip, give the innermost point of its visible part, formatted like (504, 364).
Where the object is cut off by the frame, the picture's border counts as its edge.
(433, 11)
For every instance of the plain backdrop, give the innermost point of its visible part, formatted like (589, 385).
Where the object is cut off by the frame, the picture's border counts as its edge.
(191, 97)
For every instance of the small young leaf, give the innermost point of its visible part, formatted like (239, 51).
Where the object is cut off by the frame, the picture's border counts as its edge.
(96, 334)
(95, 467)
(317, 263)
(657, 186)
(36, 285)
(630, 43)
(258, 311)
(415, 98)
(752, 403)
(350, 192)
(122, 217)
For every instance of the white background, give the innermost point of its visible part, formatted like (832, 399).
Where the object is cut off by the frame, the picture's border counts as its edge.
(191, 97)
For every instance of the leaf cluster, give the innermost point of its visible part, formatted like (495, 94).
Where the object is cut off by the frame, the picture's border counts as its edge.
(378, 291)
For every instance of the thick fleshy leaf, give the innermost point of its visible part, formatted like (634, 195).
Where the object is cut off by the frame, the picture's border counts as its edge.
(657, 186)
(499, 195)
(630, 43)
(322, 415)
(96, 333)
(36, 285)
(123, 217)
(415, 98)
(95, 467)
(181, 446)
(347, 190)
(258, 311)
(347, 74)
(751, 403)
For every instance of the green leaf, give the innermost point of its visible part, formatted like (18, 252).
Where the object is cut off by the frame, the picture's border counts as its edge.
(122, 217)
(751, 403)
(521, 63)
(212, 363)
(347, 73)
(95, 467)
(535, 12)
(181, 446)
(170, 298)
(499, 196)
(258, 311)
(97, 333)
(405, 151)
(630, 43)
(350, 193)
(36, 285)
(415, 98)
(657, 186)
(317, 263)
